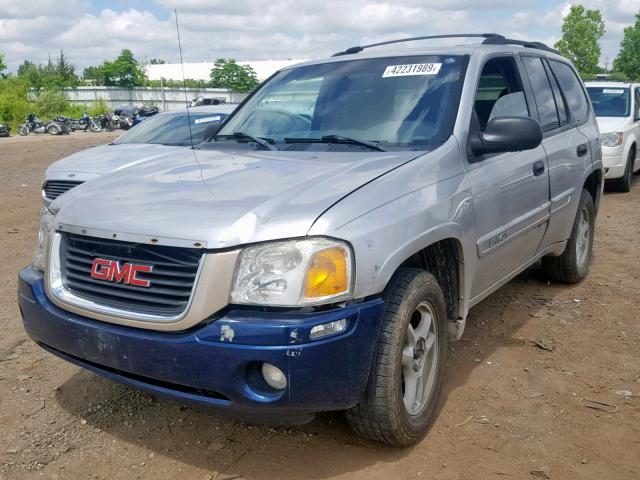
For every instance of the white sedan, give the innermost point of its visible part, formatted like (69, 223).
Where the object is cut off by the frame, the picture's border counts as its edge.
(617, 109)
(160, 135)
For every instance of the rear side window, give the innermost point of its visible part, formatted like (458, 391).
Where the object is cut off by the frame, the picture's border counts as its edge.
(572, 89)
(561, 105)
(543, 94)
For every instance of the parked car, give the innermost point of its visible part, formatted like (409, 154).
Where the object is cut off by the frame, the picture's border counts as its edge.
(156, 137)
(302, 263)
(5, 130)
(617, 108)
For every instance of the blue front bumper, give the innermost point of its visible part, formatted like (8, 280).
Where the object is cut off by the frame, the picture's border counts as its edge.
(202, 366)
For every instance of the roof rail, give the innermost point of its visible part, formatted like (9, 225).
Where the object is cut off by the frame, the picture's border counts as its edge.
(489, 39)
(358, 49)
(500, 40)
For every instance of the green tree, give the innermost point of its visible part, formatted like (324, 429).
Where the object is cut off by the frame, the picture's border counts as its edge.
(14, 104)
(628, 61)
(3, 66)
(228, 74)
(581, 30)
(50, 102)
(65, 71)
(51, 75)
(157, 61)
(124, 71)
(30, 73)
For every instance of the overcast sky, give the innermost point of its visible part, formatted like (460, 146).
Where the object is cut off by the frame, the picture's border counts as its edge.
(91, 31)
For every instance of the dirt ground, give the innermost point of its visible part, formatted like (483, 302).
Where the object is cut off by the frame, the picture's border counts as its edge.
(514, 405)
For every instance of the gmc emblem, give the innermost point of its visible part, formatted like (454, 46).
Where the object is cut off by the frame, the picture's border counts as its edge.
(111, 271)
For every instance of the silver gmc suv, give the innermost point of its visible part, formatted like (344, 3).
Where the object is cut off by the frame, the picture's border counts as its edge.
(321, 250)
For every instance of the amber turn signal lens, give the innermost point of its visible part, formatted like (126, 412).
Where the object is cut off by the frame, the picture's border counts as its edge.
(328, 273)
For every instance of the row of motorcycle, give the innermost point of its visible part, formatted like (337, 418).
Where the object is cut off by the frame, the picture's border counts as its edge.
(123, 117)
(62, 124)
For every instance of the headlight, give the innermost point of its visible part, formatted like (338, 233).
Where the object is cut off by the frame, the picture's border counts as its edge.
(293, 273)
(47, 225)
(611, 139)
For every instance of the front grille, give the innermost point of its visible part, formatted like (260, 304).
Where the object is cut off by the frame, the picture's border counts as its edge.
(171, 280)
(54, 188)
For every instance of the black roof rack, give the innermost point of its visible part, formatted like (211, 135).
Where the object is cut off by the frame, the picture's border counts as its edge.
(500, 40)
(489, 39)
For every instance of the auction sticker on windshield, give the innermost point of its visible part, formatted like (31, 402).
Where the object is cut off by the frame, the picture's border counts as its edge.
(412, 69)
(207, 119)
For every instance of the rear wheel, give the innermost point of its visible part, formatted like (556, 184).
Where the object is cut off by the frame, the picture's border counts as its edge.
(53, 129)
(573, 265)
(401, 398)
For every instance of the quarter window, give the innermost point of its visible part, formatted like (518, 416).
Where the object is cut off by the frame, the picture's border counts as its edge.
(574, 94)
(542, 92)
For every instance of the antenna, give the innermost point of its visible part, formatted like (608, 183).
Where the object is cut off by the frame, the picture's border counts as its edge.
(184, 83)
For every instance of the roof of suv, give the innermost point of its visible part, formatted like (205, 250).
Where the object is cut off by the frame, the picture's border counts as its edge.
(400, 50)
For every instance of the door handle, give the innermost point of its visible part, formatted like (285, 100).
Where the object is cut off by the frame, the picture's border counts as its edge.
(582, 150)
(538, 168)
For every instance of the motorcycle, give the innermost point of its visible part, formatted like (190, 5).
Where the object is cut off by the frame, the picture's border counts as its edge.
(4, 130)
(107, 122)
(84, 123)
(33, 124)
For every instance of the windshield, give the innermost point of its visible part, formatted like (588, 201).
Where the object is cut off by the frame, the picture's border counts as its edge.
(610, 101)
(397, 102)
(173, 129)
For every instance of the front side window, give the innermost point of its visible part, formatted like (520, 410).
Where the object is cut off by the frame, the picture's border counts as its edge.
(572, 89)
(173, 129)
(610, 101)
(542, 92)
(404, 103)
(500, 92)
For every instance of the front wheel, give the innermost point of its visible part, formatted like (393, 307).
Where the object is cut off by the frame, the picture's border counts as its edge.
(624, 184)
(94, 127)
(573, 265)
(401, 398)
(23, 130)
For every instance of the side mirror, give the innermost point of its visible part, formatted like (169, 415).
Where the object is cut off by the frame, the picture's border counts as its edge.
(507, 134)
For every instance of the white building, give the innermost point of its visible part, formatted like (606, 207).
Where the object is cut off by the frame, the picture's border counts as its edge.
(200, 71)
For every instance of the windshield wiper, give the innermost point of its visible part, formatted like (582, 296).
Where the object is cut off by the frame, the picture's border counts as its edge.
(264, 143)
(338, 139)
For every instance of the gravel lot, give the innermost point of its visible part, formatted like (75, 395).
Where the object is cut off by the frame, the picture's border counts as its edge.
(514, 405)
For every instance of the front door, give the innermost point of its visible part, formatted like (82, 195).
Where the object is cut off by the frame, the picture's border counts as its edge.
(510, 190)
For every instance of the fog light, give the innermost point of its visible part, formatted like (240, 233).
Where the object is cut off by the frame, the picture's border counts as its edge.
(274, 376)
(325, 329)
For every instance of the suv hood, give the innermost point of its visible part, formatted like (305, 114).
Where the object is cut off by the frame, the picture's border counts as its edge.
(610, 124)
(221, 200)
(107, 158)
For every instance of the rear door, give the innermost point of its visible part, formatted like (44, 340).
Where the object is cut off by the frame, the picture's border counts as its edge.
(510, 190)
(561, 112)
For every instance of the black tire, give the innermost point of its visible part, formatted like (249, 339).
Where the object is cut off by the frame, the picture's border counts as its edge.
(22, 131)
(53, 129)
(381, 414)
(571, 267)
(624, 184)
